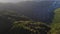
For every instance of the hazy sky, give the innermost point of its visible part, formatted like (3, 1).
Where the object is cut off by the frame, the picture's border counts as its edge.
(4, 1)
(12, 0)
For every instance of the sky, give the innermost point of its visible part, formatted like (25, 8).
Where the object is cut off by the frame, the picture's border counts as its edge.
(5, 1)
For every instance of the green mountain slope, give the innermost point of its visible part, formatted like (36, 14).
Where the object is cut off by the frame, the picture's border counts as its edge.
(56, 23)
(57, 16)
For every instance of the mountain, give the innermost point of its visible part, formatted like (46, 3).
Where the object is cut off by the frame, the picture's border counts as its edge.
(38, 11)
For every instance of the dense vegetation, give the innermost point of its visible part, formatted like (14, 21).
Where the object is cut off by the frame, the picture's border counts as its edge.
(29, 27)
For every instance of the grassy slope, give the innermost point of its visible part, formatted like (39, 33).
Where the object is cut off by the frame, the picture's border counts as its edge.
(57, 16)
(56, 23)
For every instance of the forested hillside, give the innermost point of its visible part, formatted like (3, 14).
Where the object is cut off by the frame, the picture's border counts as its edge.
(21, 25)
(29, 17)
